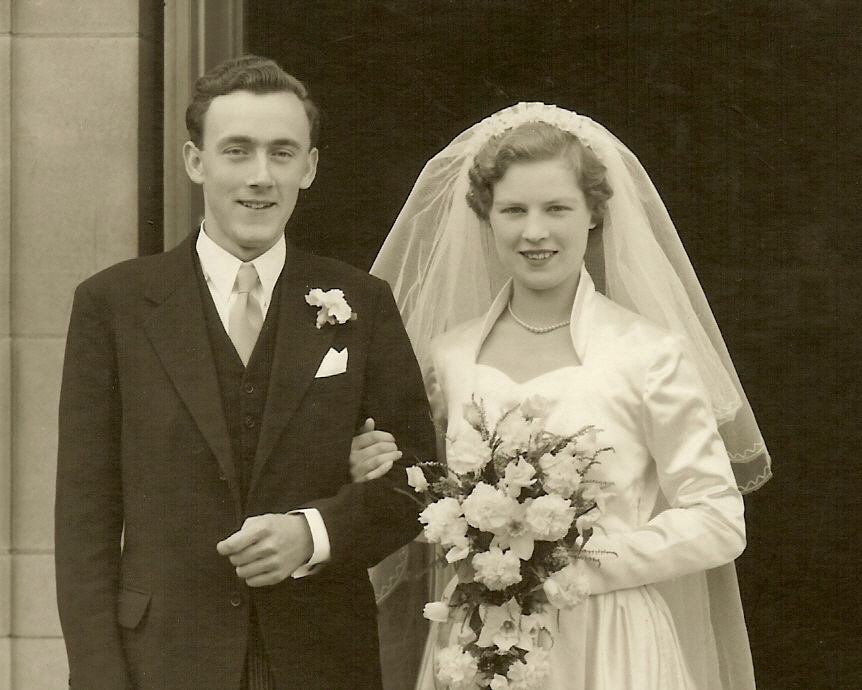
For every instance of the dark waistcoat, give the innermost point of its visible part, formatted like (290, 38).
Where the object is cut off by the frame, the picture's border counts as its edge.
(243, 394)
(243, 389)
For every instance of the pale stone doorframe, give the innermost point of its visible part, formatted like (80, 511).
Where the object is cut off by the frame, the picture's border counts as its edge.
(198, 35)
(76, 143)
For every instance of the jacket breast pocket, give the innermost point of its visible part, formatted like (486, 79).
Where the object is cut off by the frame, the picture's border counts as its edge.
(336, 382)
(132, 606)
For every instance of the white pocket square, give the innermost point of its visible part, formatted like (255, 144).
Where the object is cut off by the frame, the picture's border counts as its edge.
(334, 363)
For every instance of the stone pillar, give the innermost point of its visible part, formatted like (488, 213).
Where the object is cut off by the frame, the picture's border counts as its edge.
(5, 353)
(69, 186)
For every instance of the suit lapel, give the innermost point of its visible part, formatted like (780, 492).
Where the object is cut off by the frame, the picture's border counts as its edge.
(178, 332)
(299, 348)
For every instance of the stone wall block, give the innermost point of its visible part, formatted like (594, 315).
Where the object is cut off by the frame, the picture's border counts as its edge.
(5, 663)
(37, 366)
(34, 596)
(74, 170)
(5, 27)
(64, 17)
(5, 447)
(5, 598)
(5, 172)
(39, 664)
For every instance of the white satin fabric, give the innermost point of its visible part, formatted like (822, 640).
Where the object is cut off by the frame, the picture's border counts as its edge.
(665, 612)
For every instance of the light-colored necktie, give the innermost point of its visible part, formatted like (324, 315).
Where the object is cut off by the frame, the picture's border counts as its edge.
(245, 318)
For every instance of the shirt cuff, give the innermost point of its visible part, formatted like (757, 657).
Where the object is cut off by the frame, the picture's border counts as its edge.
(319, 540)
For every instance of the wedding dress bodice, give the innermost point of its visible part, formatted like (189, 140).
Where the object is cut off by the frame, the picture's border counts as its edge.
(673, 511)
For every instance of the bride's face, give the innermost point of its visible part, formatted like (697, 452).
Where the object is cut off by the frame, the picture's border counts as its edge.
(541, 222)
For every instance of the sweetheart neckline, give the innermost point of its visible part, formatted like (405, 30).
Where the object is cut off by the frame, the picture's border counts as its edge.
(531, 379)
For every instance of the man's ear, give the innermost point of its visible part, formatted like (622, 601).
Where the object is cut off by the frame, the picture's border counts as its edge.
(194, 164)
(311, 170)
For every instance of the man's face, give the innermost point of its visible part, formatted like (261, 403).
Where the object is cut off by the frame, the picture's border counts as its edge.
(256, 156)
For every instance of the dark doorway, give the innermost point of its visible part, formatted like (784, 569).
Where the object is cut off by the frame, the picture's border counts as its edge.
(745, 114)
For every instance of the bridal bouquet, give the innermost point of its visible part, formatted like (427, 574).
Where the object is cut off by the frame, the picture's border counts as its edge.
(513, 509)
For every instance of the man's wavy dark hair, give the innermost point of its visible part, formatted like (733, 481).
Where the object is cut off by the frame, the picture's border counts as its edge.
(247, 73)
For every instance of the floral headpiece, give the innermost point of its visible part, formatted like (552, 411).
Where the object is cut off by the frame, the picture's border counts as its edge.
(521, 113)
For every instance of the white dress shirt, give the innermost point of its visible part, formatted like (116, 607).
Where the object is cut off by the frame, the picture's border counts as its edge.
(220, 269)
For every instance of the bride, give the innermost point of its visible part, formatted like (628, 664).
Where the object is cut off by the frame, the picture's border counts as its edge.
(535, 257)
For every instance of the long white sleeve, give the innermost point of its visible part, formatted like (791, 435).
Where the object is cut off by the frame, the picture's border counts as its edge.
(703, 526)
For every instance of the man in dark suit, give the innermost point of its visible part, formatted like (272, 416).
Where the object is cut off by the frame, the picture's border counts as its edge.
(208, 535)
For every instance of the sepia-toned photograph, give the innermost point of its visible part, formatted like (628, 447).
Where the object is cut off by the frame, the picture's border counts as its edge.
(430, 345)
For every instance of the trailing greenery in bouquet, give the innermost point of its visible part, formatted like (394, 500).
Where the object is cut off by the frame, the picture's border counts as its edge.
(512, 508)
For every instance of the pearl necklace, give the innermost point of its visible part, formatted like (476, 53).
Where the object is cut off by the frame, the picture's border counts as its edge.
(535, 329)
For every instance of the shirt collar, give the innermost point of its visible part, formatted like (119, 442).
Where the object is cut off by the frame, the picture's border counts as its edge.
(582, 312)
(220, 266)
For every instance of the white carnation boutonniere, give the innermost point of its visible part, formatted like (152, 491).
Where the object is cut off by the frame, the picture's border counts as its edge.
(332, 307)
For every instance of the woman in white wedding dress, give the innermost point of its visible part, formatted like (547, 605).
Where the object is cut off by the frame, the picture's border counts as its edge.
(487, 262)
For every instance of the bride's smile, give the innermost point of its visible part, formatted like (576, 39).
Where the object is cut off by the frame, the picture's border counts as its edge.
(536, 255)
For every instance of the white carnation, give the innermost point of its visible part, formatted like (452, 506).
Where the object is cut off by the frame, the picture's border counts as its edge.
(489, 509)
(333, 307)
(549, 517)
(561, 474)
(456, 669)
(517, 476)
(467, 452)
(445, 523)
(497, 569)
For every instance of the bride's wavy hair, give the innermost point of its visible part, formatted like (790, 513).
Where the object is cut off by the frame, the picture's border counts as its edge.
(537, 141)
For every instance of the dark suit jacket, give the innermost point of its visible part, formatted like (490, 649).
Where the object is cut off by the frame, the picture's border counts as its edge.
(146, 482)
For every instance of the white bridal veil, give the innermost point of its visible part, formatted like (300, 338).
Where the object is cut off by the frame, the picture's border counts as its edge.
(443, 270)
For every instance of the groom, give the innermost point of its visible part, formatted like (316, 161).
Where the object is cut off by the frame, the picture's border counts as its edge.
(208, 536)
